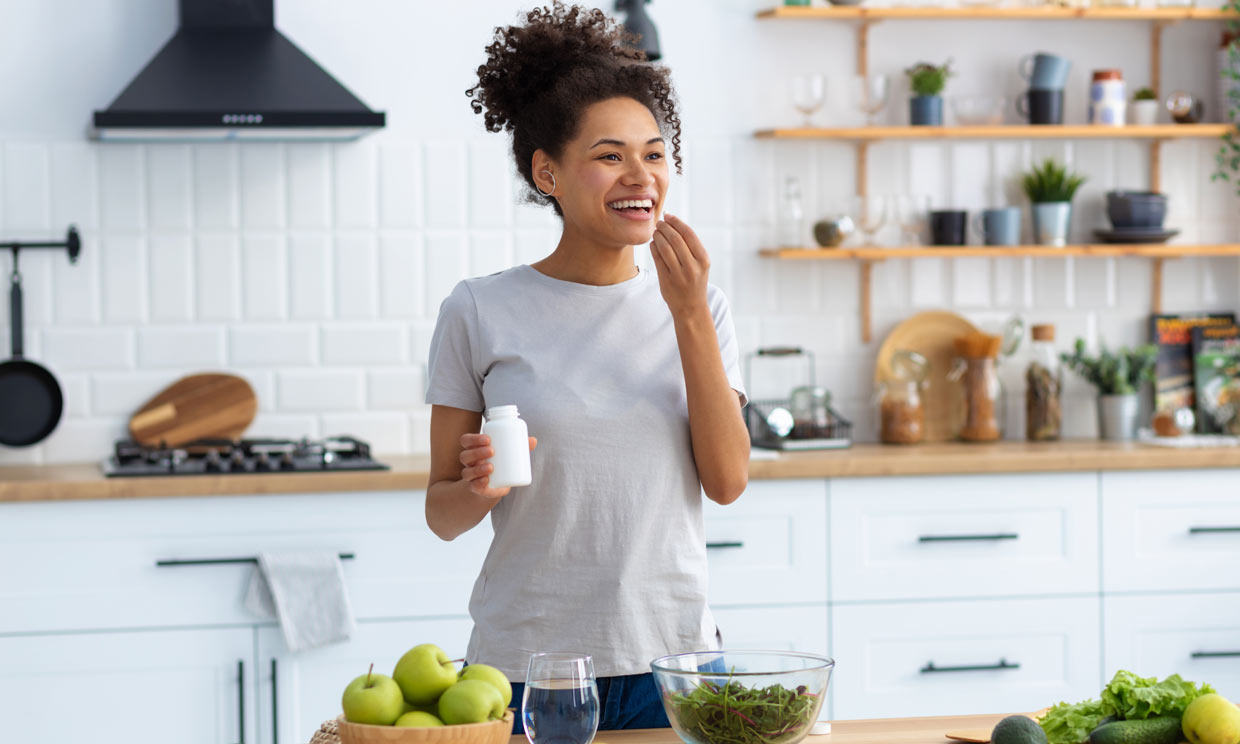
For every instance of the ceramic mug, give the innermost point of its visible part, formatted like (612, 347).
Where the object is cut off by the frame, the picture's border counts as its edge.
(999, 226)
(1045, 71)
(1041, 106)
(948, 226)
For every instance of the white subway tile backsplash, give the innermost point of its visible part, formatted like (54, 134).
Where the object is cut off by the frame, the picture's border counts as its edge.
(356, 205)
(83, 440)
(400, 185)
(710, 191)
(171, 278)
(121, 187)
(216, 187)
(420, 431)
(88, 348)
(392, 389)
(124, 279)
(36, 269)
(309, 186)
(33, 455)
(388, 433)
(76, 300)
(264, 277)
(364, 343)
(446, 262)
(1053, 286)
(971, 282)
(967, 189)
(490, 252)
(310, 276)
(75, 387)
(1181, 285)
(926, 282)
(420, 337)
(283, 426)
(26, 188)
(217, 269)
(181, 347)
(263, 382)
(169, 193)
(123, 393)
(320, 390)
(74, 175)
(262, 186)
(401, 285)
(443, 184)
(490, 196)
(356, 274)
(282, 345)
(1095, 282)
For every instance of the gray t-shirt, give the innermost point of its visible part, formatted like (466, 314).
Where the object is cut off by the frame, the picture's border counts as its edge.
(604, 552)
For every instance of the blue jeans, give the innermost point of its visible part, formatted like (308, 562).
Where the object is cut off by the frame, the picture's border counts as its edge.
(628, 702)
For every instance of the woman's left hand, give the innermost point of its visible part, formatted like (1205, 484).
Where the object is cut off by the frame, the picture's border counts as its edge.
(682, 264)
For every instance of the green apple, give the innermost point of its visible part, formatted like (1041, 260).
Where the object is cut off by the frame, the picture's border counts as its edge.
(470, 701)
(423, 673)
(492, 676)
(417, 719)
(372, 698)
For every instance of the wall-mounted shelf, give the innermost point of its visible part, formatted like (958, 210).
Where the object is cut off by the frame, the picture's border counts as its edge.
(1003, 131)
(868, 256)
(1042, 13)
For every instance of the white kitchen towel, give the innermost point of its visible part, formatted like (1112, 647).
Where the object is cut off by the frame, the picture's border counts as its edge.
(305, 590)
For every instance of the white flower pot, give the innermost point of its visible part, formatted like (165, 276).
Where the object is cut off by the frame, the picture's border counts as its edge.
(1143, 113)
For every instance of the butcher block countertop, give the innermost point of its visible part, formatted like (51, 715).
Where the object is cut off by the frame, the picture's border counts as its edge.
(408, 473)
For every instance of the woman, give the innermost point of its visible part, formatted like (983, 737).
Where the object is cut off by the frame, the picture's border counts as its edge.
(630, 383)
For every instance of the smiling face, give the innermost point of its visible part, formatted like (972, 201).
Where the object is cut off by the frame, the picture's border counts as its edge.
(611, 179)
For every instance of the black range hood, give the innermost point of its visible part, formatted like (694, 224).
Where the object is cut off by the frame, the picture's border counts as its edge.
(228, 74)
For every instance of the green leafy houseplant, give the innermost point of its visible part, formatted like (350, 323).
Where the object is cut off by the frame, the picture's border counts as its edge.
(1120, 373)
(929, 80)
(1227, 159)
(1144, 94)
(1051, 182)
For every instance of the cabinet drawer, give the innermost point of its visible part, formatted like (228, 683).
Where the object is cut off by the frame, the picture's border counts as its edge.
(93, 564)
(949, 658)
(963, 536)
(769, 546)
(1163, 530)
(778, 628)
(1194, 635)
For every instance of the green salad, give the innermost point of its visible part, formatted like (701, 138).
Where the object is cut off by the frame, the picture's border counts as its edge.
(1126, 697)
(734, 714)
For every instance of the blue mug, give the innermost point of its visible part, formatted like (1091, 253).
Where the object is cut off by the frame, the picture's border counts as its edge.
(1045, 71)
(999, 226)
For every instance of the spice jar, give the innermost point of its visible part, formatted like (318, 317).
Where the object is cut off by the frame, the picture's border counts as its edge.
(1043, 388)
(981, 393)
(901, 411)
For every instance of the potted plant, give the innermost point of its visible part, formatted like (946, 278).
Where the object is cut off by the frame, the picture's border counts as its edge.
(1227, 159)
(1144, 108)
(927, 81)
(1050, 187)
(1118, 378)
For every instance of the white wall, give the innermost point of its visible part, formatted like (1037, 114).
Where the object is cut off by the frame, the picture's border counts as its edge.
(316, 270)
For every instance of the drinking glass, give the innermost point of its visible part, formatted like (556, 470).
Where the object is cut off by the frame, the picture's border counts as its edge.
(911, 212)
(560, 704)
(871, 212)
(809, 92)
(870, 94)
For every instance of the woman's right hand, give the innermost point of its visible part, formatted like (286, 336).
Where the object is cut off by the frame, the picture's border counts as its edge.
(476, 454)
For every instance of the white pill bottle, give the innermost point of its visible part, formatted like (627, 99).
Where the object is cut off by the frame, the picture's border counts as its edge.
(511, 443)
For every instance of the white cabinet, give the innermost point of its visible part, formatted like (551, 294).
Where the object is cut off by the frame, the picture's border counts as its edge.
(298, 692)
(769, 546)
(775, 628)
(1173, 531)
(1194, 635)
(964, 536)
(149, 687)
(946, 658)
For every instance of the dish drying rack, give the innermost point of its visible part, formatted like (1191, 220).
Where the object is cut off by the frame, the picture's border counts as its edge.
(837, 433)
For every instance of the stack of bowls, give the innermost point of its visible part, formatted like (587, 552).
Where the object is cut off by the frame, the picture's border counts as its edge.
(1136, 217)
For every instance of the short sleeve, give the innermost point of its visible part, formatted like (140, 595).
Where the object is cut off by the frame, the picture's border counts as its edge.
(452, 369)
(728, 348)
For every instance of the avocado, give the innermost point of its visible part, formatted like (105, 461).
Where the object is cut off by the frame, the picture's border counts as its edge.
(1018, 730)
(1161, 730)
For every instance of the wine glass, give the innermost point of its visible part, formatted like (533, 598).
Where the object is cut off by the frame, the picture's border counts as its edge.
(912, 211)
(870, 93)
(560, 704)
(872, 213)
(809, 92)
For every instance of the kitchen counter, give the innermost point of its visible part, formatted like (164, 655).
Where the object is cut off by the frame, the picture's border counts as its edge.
(85, 481)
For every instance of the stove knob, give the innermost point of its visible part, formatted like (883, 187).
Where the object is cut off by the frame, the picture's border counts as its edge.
(237, 458)
(212, 462)
(263, 462)
(286, 461)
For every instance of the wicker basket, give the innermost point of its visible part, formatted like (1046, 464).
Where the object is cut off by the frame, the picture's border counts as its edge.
(326, 734)
(491, 732)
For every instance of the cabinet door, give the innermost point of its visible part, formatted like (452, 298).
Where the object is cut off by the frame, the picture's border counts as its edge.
(187, 686)
(777, 628)
(307, 685)
(770, 545)
(1194, 635)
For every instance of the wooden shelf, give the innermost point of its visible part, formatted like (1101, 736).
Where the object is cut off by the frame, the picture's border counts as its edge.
(1041, 12)
(1005, 131)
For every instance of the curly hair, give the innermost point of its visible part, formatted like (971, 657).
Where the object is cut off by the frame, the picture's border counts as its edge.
(540, 77)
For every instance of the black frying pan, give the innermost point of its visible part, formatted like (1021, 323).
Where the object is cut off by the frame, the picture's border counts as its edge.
(30, 398)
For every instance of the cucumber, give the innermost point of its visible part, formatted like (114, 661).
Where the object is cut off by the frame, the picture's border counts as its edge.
(1162, 730)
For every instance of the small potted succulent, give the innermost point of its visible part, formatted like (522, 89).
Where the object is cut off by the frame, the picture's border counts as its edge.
(1144, 108)
(1050, 188)
(927, 82)
(1118, 378)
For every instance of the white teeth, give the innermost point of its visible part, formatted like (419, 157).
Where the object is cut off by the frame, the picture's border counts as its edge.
(632, 203)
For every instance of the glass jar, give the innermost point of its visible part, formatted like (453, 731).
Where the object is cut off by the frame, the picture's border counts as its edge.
(811, 412)
(1043, 388)
(981, 399)
(902, 415)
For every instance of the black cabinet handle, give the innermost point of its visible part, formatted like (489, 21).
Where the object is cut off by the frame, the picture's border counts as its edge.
(241, 701)
(218, 561)
(1003, 664)
(275, 706)
(1214, 654)
(1208, 530)
(716, 545)
(962, 538)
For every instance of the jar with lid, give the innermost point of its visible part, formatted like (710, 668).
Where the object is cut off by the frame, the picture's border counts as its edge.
(1043, 387)
(901, 410)
(981, 394)
(792, 230)
(1106, 98)
(811, 412)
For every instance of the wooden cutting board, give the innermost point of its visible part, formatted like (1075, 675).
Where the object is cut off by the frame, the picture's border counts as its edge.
(193, 407)
(930, 334)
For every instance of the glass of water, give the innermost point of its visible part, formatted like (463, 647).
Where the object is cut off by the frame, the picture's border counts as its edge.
(560, 705)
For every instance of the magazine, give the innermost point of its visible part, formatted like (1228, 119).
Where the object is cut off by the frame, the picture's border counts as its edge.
(1216, 378)
(1173, 370)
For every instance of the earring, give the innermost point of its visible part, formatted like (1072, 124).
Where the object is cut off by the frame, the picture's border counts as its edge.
(552, 191)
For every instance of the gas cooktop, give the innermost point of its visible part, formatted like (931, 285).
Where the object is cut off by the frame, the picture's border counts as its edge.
(244, 456)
